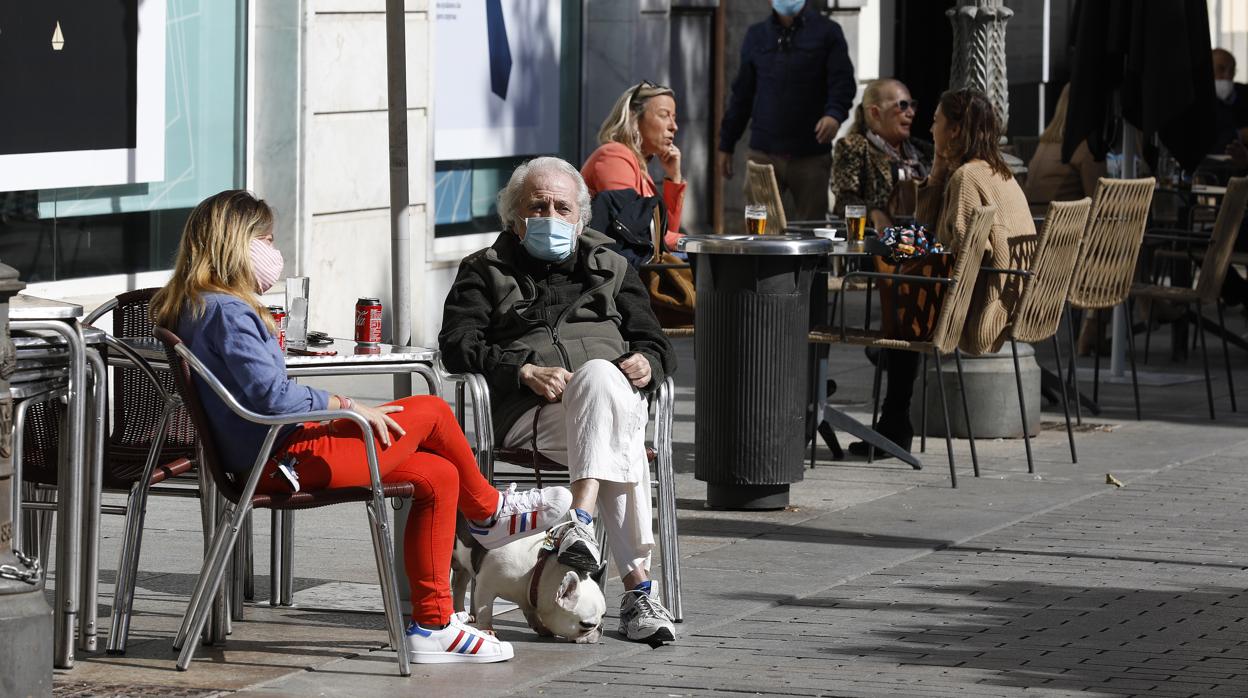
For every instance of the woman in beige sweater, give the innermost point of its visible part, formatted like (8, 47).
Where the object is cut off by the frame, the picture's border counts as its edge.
(968, 172)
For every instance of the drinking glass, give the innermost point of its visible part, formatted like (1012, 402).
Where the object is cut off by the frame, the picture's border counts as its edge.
(755, 219)
(855, 223)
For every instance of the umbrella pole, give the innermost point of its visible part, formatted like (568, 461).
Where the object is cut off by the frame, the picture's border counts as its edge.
(1121, 322)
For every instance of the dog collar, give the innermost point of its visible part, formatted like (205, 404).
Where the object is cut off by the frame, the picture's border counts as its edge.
(542, 556)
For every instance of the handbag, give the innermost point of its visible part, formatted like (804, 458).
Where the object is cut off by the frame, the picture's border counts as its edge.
(673, 296)
(909, 311)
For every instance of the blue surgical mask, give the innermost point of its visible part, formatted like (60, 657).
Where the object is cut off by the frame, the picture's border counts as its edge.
(549, 239)
(787, 8)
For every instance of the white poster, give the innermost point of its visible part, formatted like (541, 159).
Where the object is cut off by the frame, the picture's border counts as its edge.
(61, 137)
(496, 66)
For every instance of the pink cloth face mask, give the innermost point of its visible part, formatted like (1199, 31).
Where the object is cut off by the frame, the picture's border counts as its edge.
(266, 263)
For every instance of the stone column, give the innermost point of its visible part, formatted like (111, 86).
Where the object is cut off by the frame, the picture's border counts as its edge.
(979, 51)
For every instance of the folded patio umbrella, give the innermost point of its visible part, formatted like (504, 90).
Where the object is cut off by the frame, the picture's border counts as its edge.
(1155, 55)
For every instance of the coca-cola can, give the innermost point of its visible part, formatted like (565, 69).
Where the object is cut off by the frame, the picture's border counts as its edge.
(368, 321)
(279, 321)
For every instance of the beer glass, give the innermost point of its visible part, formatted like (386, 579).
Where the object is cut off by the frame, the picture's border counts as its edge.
(855, 223)
(755, 219)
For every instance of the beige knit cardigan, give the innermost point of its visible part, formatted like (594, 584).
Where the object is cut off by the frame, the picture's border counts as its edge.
(1011, 244)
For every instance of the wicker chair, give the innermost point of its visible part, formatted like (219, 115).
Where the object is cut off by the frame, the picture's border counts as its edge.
(1039, 310)
(659, 455)
(1111, 246)
(241, 498)
(1213, 267)
(960, 286)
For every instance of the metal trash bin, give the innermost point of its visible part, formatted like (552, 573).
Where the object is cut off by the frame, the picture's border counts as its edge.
(750, 328)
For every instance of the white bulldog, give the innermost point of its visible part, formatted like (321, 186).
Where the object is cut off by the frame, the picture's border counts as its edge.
(554, 598)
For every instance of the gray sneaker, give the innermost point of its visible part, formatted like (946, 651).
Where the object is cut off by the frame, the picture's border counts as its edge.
(643, 618)
(578, 546)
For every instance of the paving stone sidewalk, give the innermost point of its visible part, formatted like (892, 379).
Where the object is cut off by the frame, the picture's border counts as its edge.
(1137, 591)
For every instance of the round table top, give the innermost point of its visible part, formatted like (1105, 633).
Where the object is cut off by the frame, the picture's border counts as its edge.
(786, 244)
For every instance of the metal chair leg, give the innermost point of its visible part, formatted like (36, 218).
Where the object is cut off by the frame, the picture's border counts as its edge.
(1204, 355)
(923, 411)
(1070, 433)
(1096, 361)
(275, 557)
(1148, 328)
(288, 562)
(1135, 383)
(966, 412)
(944, 410)
(1074, 375)
(1022, 405)
(127, 568)
(666, 478)
(249, 558)
(383, 551)
(1226, 355)
(209, 582)
(875, 403)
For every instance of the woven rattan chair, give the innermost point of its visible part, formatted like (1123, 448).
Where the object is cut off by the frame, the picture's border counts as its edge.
(761, 188)
(1039, 310)
(1208, 290)
(959, 287)
(659, 455)
(1107, 259)
(241, 498)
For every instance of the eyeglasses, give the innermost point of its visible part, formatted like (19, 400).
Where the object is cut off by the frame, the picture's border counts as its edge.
(632, 100)
(908, 104)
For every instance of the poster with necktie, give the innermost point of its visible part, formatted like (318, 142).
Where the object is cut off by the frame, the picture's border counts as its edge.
(84, 93)
(496, 67)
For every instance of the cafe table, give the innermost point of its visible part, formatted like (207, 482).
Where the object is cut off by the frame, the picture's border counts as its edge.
(75, 591)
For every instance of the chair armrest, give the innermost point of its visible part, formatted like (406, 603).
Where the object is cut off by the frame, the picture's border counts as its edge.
(1025, 273)
(105, 308)
(482, 415)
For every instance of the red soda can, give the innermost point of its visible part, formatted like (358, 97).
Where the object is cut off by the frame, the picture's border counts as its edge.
(368, 321)
(279, 321)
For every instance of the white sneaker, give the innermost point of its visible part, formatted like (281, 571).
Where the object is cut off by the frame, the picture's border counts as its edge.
(523, 514)
(578, 544)
(643, 618)
(457, 642)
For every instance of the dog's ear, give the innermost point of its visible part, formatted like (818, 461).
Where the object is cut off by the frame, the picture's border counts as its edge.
(597, 575)
(569, 591)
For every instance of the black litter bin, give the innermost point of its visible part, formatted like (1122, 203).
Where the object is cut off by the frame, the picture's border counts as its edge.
(750, 329)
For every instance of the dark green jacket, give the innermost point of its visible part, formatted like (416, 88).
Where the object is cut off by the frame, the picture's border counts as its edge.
(507, 309)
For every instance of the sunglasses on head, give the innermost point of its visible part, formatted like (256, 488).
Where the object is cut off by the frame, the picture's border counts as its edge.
(641, 86)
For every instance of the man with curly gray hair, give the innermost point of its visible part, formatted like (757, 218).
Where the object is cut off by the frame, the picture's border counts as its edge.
(561, 327)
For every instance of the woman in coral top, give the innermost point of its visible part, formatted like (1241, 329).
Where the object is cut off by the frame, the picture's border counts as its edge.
(641, 126)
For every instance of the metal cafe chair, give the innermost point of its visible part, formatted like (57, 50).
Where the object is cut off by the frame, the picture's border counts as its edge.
(1213, 267)
(241, 498)
(659, 456)
(954, 307)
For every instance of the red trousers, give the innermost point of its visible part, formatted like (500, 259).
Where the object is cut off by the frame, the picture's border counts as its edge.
(434, 456)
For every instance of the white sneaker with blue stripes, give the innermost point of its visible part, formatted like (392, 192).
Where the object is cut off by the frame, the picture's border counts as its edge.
(458, 642)
(522, 514)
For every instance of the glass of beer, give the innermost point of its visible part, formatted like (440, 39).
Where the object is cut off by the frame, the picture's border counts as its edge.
(756, 219)
(855, 223)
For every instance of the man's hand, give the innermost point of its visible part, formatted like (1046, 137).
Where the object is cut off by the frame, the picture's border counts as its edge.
(826, 129)
(670, 160)
(724, 161)
(547, 382)
(636, 369)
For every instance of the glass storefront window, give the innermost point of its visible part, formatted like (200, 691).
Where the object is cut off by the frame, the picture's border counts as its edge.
(58, 234)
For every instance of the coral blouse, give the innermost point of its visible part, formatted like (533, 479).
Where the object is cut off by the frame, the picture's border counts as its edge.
(613, 166)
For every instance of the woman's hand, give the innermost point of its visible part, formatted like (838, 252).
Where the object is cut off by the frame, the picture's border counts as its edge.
(636, 369)
(378, 417)
(670, 160)
(547, 382)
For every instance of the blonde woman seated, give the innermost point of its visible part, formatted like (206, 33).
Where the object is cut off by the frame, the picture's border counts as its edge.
(879, 153)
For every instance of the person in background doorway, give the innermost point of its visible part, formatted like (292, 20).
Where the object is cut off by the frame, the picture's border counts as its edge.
(794, 88)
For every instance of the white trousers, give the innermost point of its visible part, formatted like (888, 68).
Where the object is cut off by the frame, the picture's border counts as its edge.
(598, 430)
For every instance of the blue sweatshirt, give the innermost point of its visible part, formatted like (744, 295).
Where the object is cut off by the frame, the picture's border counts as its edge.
(233, 342)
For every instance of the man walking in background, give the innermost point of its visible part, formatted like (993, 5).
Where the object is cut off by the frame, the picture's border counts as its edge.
(796, 84)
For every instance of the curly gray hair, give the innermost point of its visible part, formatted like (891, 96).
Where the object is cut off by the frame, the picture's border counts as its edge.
(509, 196)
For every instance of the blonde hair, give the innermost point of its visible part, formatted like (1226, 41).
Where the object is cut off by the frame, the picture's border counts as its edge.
(1056, 129)
(872, 95)
(620, 125)
(213, 257)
